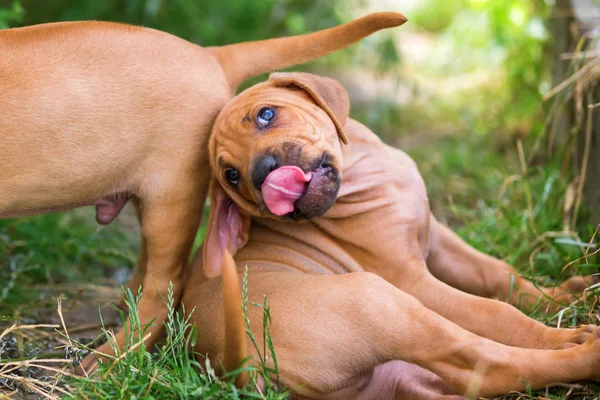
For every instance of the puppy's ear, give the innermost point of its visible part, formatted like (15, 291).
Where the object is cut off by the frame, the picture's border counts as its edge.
(227, 230)
(329, 94)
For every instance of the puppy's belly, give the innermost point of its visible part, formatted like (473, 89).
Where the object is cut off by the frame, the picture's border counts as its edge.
(107, 208)
(402, 380)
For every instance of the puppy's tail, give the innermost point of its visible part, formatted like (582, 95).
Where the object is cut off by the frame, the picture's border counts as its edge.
(245, 60)
(235, 350)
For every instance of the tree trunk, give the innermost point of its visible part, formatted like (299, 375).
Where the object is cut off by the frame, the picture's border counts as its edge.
(571, 19)
(588, 157)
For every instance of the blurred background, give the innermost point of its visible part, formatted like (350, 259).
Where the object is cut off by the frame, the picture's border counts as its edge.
(489, 96)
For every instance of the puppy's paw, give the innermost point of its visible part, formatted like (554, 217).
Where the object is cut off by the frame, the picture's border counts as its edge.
(577, 284)
(568, 338)
(569, 291)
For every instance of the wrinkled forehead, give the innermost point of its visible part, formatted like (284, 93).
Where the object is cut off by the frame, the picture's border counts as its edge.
(261, 95)
(240, 112)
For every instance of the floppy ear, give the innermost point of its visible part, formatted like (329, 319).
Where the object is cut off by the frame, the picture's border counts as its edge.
(329, 94)
(227, 230)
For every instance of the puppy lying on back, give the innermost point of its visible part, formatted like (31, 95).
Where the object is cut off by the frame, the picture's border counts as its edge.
(360, 276)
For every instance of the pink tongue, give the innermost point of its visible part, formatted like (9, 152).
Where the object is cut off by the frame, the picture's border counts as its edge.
(283, 187)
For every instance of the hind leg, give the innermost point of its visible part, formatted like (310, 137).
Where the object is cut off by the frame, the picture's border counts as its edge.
(486, 317)
(330, 332)
(455, 262)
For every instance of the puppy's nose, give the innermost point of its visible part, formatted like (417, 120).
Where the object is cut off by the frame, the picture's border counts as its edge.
(262, 169)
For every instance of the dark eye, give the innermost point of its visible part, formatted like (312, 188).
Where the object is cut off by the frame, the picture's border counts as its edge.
(265, 116)
(232, 176)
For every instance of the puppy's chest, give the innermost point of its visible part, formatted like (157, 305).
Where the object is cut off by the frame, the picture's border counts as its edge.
(302, 247)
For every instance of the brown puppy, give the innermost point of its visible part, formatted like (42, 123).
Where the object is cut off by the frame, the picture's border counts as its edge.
(371, 277)
(96, 113)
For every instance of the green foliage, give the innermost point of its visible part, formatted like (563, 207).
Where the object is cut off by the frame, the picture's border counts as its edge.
(505, 38)
(436, 15)
(519, 28)
(11, 15)
(206, 23)
(490, 205)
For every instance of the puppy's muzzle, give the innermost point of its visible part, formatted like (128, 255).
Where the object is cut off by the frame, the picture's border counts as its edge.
(303, 190)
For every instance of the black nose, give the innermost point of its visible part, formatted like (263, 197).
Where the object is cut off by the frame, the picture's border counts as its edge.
(262, 169)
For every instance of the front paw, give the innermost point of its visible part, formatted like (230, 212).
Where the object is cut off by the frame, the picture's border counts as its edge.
(577, 284)
(570, 290)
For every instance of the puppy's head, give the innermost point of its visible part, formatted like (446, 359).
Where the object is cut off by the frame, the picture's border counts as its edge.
(275, 152)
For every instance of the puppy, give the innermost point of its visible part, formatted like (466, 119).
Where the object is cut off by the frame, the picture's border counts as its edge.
(358, 272)
(96, 113)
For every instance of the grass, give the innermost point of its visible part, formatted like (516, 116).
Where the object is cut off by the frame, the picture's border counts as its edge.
(58, 248)
(171, 372)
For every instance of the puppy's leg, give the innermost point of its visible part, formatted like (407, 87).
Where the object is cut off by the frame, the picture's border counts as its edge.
(455, 262)
(170, 220)
(137, 278)
(331, 331)
(489, 318)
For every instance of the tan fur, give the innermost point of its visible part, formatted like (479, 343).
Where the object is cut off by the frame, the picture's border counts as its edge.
(273, 54)
(92, 111)
(235, 331)
(374, 280)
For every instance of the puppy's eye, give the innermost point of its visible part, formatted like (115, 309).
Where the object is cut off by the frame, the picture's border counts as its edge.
(232, 176)
(265, 116)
